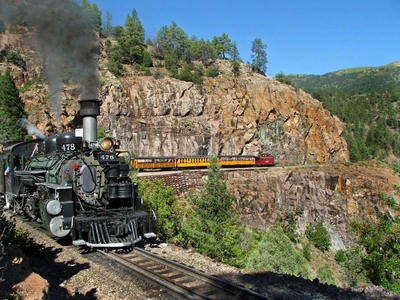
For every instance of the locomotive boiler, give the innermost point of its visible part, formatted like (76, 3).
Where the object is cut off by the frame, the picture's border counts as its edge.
(75, 184)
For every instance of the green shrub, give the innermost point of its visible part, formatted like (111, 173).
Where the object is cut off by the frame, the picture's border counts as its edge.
(351, 262)
(325, 275)
(276, 253)
(11, 235)
(288, 221)
(147, 60)
(340, 256)
(191, 74)
(167, 207)
(236, 68)
(389, 201)
(319, 235)
(16, 59)
(212, 72)
(115, 67)
(147, 72)
(101, 133)
(281, 77)
(171, 61)
(307, 251)
(381, 242)
(157, 74)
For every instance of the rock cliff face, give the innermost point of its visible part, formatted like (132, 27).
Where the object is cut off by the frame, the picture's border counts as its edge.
(248, 115)
(333, 194)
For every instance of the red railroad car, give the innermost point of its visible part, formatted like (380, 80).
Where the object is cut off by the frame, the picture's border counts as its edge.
(265, 160)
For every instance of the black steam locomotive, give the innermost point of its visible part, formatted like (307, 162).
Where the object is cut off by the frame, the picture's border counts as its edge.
(78, 185)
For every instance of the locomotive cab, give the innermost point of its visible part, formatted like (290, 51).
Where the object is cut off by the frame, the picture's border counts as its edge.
(12, 160)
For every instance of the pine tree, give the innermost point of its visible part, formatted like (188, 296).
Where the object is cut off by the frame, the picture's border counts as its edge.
(11, 110)
(171, 40)
(234, 53)
(222, 44)
(259, 56)
(108, 25)
(213, 227)
(276, 253)
(95, 14)
(132, 39)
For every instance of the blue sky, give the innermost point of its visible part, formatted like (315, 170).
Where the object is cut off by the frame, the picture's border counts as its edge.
(302, 36)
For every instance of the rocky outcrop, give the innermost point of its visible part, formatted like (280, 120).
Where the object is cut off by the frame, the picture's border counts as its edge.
(248, 115)
(226, 115)
(335, 195)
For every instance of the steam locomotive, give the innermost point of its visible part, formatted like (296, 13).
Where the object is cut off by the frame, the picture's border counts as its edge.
(76, 185)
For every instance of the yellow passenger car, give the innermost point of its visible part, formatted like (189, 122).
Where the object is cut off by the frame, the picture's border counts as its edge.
(142, 163)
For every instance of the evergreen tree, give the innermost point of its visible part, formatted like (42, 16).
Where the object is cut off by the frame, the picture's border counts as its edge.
(172, 39)
(117, 31)
(207, 52)
(107, 31)
(132, 39)
(192, 50)
(259, 56)
(147, 61)
(354, 153)
(94, 13)
(11, 110)
(234, 53)
(213, 227)
(276, 253)
(202, 50)
(222, 45)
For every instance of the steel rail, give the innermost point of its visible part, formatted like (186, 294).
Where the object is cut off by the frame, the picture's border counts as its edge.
(180, 280)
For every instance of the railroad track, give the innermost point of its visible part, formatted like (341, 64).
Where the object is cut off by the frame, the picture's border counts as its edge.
(181, 281)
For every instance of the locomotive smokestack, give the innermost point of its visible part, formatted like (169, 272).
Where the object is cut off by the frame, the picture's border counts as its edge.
(90, 109)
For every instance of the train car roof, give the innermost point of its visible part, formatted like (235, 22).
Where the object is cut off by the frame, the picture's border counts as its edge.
(22, 148)
(192, 156)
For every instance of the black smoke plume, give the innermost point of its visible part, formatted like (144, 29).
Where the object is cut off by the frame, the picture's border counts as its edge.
(65, 39)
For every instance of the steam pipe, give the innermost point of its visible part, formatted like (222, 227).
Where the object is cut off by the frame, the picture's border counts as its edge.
(90, 109)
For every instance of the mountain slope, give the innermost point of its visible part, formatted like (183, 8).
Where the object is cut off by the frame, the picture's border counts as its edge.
(354, 80)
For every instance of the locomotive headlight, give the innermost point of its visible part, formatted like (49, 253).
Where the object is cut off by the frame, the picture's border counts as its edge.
(107, 143)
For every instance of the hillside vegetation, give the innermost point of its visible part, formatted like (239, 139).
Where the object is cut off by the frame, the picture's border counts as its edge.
(351, 81)
(367, 100)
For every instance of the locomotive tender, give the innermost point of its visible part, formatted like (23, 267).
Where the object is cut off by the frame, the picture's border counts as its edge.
(76, 185)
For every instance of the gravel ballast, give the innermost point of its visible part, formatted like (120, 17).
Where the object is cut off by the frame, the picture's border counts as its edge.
(71, 274)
